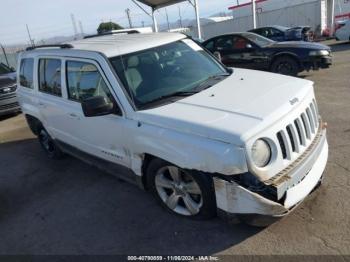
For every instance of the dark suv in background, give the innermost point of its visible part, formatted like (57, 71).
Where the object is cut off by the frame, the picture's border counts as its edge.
(8, 98)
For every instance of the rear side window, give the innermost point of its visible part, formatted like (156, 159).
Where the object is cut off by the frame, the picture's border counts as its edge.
(26, 73)
(50, 76)
(85, 81)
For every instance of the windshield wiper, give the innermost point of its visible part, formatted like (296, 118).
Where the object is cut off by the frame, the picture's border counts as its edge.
(203, 85)
(207, 83)
(172, 95)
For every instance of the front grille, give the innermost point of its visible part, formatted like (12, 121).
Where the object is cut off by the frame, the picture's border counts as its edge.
(9, 106)
(300, 133)
(8, 89)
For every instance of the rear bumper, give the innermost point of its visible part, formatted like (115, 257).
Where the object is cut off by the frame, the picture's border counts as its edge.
(234, 199)
(9, 104)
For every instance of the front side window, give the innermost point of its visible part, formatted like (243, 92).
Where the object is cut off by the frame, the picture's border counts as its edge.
(173, 70)
(50, 76)
(85, 81)
(239, 42)
(224, 43)
(26, 73)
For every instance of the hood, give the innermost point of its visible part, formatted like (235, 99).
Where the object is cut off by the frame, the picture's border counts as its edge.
(233, 110)
(7, 79)
(299, 44)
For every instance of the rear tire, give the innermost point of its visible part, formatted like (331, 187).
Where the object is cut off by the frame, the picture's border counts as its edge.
(183, 192)
(285, 65)
(48, 144)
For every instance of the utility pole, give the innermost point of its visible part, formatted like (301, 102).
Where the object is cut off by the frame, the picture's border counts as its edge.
(167, 19)
(254, 13)
(30, 38)
(129, 18)
(81, 28)
(3, 50)
(74, 26)
(180, 16)
(143, 23)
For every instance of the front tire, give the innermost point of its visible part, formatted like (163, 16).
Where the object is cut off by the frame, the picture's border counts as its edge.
(185, 193)
(48, 144)
(286, 66)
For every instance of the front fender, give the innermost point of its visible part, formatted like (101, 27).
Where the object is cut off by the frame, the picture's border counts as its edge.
(190, 151)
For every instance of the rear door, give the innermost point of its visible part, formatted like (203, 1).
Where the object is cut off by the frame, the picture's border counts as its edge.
(49, 96)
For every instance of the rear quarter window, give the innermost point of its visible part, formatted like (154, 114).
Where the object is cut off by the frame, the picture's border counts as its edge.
(26, 73)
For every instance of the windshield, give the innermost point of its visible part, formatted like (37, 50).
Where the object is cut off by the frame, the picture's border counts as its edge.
(4, 69)
(259, 40)
(179, 69)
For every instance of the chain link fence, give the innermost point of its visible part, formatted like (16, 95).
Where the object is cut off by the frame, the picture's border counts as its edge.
(9, 54)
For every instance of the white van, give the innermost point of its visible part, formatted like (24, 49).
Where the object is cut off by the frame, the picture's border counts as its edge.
(159, 111)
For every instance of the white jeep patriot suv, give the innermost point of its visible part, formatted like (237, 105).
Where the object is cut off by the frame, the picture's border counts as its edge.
(158, 110)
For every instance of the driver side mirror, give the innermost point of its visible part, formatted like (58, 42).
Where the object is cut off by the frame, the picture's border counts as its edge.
(97, 106)
(249, 46)
(217, 55)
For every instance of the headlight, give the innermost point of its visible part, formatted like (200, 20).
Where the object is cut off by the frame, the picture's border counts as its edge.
(319, 53)
(261, 153)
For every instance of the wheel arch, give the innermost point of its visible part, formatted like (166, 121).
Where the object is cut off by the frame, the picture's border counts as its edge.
(147, 158)
(285, 54)
(34, 123)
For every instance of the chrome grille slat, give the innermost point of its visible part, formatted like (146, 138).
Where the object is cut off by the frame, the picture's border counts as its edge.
(293, 138)
(300, 130)
(306, 125)
(297, 135)
(313, 110)
(311, 120)
(282, 144)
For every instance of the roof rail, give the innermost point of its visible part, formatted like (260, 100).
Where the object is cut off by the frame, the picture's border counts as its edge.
(113, 33)
(48, 46)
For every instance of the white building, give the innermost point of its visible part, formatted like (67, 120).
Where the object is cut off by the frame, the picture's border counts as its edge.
(314, 13)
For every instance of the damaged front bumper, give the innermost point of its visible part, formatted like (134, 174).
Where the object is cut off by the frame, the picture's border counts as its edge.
(297, 184)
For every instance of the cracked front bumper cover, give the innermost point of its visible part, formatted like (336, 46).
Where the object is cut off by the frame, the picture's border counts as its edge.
(232, 198)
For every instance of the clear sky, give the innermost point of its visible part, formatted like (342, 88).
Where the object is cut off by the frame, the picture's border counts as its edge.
(53, 17)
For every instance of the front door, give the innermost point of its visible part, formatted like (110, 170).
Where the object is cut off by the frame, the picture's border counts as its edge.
(102, 136)
(235, 51)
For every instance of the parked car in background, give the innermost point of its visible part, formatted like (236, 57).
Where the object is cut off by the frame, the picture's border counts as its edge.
(343, 31)
(160, 111)
(249, 50)
(8, 86)
(282, 33)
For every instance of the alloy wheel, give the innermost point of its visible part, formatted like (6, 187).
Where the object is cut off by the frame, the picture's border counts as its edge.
(179, 191)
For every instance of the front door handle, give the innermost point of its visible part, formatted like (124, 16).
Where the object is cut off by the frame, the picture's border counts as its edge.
(73, 115)
(41, 104)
